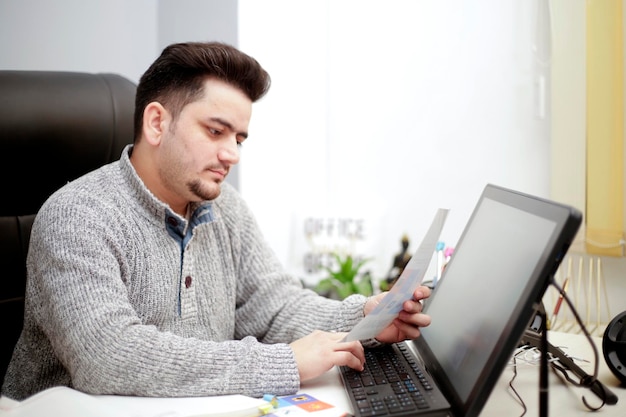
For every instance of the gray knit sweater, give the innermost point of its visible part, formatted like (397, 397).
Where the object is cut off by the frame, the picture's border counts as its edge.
(125, 297)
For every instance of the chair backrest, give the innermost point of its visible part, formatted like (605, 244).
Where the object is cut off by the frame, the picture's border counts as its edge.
(54, 127)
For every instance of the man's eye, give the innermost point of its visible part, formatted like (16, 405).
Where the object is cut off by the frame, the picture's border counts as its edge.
(214, 132)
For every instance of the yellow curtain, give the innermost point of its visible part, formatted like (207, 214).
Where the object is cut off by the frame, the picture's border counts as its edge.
(605, 127)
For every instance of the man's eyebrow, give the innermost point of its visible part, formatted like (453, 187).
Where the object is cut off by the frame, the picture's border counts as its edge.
(228, 125)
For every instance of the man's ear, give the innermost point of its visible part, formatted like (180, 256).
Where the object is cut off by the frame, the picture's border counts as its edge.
(155, 122)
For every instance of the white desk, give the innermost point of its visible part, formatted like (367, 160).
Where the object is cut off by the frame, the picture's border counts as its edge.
(563, 399)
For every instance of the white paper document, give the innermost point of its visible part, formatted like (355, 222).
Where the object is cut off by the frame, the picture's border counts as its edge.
(403, 289)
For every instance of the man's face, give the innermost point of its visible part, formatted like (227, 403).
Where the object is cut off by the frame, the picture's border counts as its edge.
(199, 148)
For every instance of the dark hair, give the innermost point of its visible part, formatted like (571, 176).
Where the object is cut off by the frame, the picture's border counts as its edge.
(176, 78)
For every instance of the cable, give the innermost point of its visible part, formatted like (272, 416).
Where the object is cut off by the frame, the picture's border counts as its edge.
(517, 395)
(588, 381)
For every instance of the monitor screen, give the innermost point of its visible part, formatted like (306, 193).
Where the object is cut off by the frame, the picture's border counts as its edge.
(500, 269)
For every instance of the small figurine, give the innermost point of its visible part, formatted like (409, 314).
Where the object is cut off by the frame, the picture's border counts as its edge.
(399, 263)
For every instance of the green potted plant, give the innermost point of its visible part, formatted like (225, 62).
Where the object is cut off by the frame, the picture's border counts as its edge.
(346, 279)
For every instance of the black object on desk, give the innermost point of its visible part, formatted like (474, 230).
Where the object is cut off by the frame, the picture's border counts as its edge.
(614, 346)
(597, 387)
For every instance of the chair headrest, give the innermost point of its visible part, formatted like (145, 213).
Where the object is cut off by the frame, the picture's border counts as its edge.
(56, 126)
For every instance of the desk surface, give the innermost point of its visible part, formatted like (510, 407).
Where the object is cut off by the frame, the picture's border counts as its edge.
(564, 399)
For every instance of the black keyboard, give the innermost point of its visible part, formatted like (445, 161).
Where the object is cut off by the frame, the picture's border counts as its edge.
(392, 384)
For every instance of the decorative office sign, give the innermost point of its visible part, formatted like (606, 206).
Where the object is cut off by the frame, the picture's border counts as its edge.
(328, 235)
(318, 237)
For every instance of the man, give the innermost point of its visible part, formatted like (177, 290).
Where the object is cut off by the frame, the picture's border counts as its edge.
(149, 276)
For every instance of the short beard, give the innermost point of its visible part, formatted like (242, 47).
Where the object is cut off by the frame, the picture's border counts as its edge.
(203, 194)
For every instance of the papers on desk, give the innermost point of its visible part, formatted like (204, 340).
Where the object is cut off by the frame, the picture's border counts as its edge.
(412, 276)
(67, 402)
(304, 405)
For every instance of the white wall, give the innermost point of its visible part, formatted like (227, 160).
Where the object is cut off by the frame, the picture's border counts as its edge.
(387, 113)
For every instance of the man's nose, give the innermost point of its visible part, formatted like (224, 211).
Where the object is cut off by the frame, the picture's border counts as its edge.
(229, 152)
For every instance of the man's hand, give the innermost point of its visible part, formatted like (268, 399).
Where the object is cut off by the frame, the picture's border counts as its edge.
(410, 319)
(319, 351)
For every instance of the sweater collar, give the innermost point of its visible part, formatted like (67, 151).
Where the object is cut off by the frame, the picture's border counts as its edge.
(199, 213)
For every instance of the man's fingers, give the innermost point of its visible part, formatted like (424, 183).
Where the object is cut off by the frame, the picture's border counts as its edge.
(350, 354)
(350, 360)
(319, 351)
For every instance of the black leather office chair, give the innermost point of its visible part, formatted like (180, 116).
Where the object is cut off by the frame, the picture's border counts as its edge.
(54, 127)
